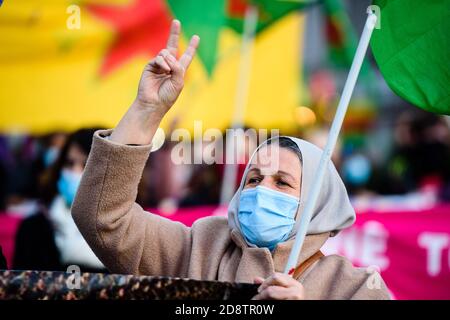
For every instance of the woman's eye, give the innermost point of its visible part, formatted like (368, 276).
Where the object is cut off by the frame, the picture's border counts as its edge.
(253, 180)
(282, 183)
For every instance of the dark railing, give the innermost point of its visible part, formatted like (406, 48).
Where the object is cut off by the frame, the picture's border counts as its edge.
(46, 285)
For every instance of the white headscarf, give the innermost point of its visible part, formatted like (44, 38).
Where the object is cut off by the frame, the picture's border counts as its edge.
(333, 211)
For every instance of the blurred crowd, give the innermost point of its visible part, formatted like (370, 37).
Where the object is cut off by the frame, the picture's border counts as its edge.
(39, 176)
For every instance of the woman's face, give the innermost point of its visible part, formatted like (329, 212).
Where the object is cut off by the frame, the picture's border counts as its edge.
(76, 159)
(276, 168)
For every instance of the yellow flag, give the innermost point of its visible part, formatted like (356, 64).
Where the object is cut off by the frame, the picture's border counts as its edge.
(53, 53)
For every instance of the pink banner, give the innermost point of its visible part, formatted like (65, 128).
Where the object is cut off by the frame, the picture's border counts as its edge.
(8, 229)
(411, 249)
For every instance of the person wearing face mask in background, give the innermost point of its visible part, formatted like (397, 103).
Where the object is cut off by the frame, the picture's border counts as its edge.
(53, 144)
(252, 245)
(49, 239)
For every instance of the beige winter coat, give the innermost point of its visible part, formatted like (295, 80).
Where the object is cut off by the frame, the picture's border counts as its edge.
(129, 240)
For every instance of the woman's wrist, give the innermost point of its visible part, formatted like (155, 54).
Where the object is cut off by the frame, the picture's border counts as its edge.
(138, 125)
(148, 109)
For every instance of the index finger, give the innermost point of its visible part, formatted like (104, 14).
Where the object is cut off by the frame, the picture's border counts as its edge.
(189, 54)
(172, 42)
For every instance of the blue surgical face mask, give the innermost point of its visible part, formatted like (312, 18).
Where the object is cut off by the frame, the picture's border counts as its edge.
(68, 184)
(357, 170)
(266, 216)
(50, 156)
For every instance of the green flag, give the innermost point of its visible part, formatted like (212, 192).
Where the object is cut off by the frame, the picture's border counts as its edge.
(269, 11)
(413, 53)
(207, 18)
(204, 18)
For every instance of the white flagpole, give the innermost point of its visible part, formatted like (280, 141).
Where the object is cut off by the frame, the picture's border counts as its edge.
(331, 142)
(230, 172)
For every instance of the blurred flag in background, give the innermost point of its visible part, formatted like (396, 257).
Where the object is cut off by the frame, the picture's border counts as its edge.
(64, 66)
(412, 50)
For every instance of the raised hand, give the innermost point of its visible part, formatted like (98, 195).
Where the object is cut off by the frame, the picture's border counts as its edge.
(161, 83)
(163, 77)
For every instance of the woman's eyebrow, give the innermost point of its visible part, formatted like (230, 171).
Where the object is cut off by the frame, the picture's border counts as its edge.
(284, 173)
(253, 171)
(256, 170)
(279, 172)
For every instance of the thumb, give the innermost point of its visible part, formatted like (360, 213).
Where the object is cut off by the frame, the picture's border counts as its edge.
(175, 66)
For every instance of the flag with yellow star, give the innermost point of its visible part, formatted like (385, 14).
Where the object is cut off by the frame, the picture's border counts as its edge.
(71, 64)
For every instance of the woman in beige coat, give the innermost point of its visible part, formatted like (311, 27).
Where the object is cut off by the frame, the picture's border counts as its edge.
(253, 244)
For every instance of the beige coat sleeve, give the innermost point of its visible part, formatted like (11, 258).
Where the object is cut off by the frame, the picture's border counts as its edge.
(126, 238)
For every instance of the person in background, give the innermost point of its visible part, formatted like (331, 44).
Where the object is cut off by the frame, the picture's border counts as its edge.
(52, 145)
(23, 158)
(203, 187)
(19, 174)
(420, 157)
(49, 239)
(3, 265)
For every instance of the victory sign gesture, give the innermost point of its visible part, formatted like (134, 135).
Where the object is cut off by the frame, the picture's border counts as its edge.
(160, 85)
